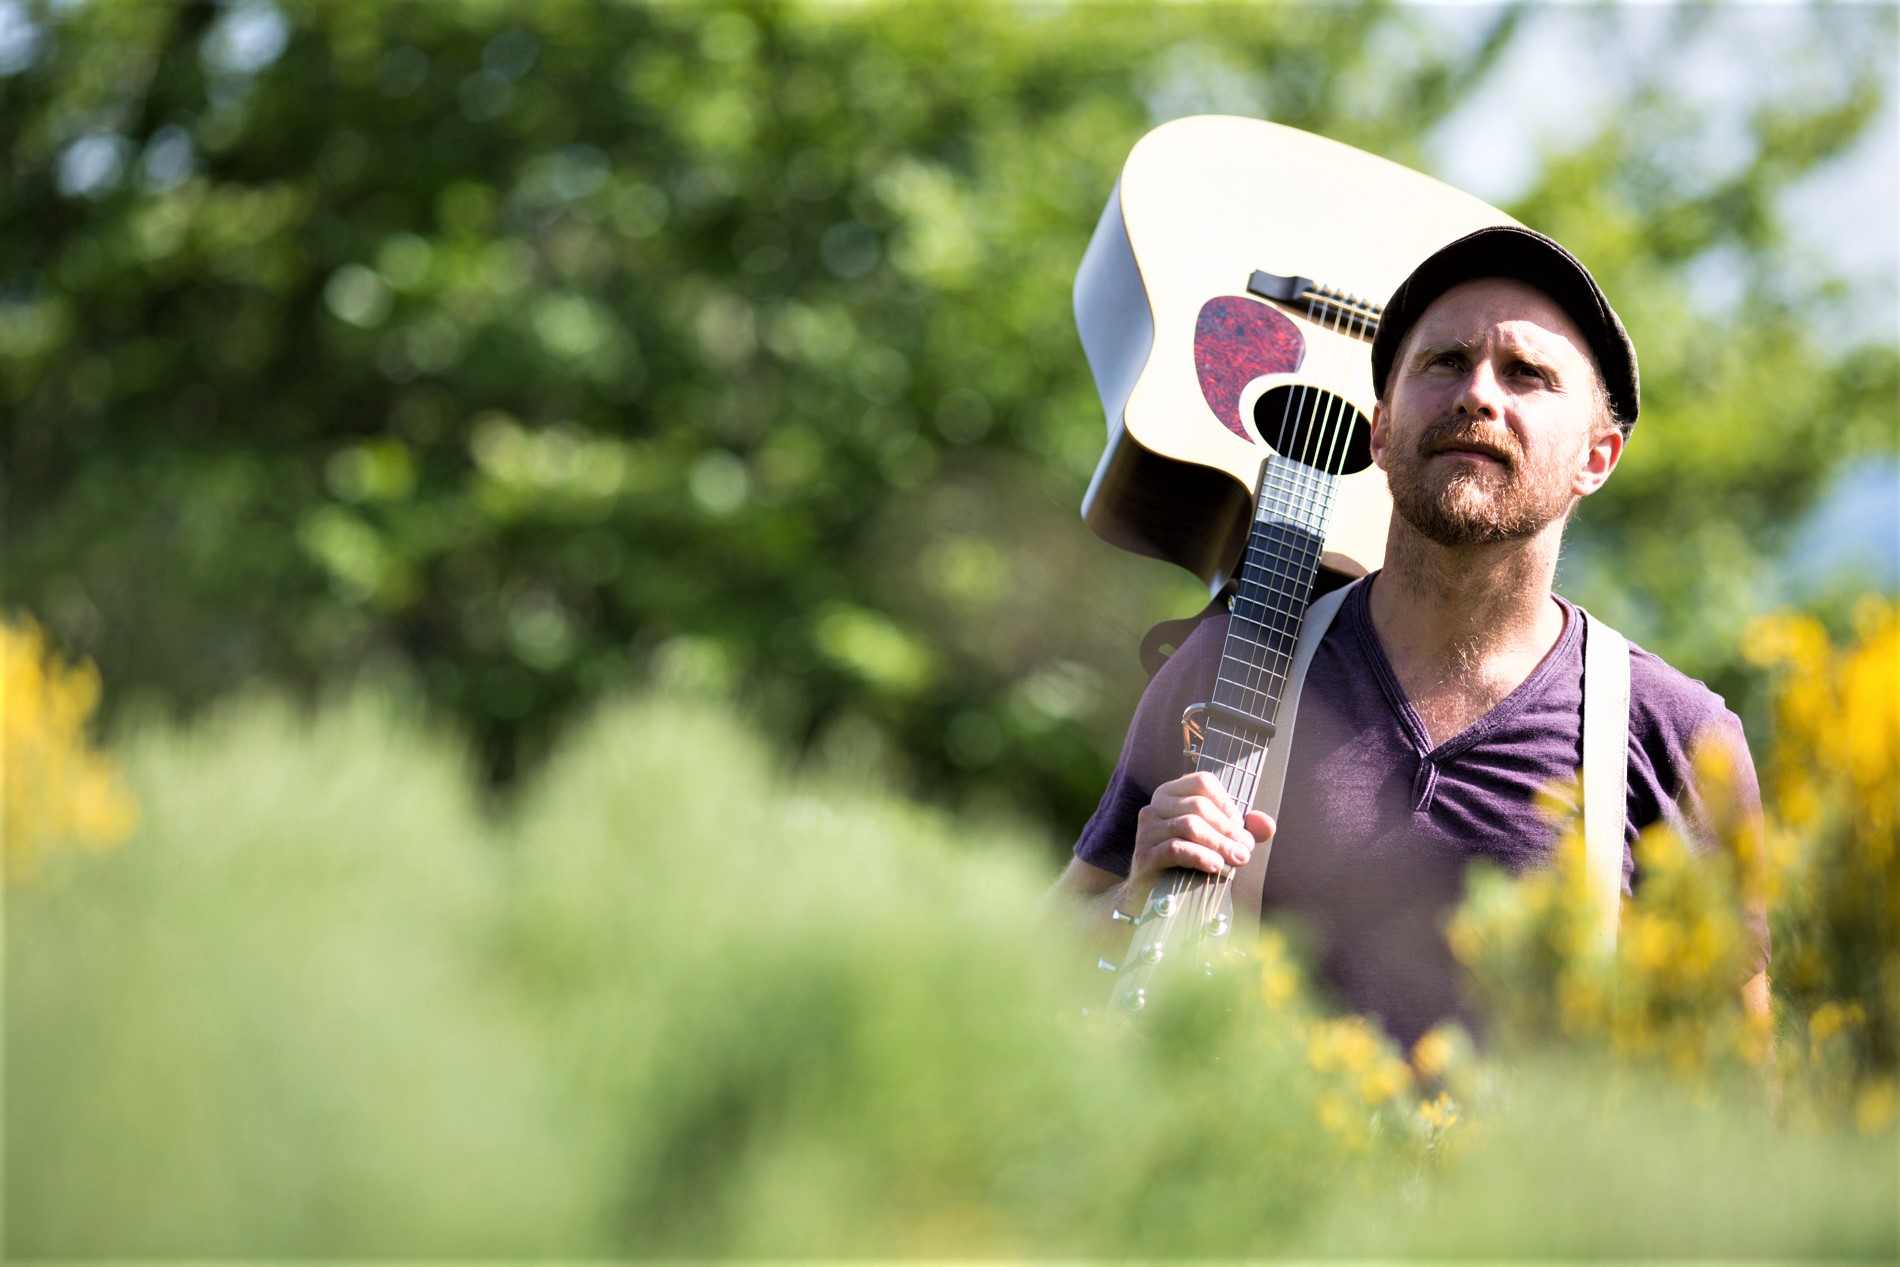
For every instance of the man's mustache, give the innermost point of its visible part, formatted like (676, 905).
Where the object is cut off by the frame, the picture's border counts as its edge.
(1454, 432)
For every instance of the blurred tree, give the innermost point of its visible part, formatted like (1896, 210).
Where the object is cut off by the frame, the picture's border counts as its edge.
(542, 348)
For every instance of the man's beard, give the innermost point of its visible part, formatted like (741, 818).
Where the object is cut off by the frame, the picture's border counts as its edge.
(1470, 505)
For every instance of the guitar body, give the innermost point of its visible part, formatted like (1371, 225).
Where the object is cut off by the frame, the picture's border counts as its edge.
(1198, 377)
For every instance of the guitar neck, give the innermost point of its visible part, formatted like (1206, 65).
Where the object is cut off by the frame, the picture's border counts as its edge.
(1272, 590)
(1268, 610)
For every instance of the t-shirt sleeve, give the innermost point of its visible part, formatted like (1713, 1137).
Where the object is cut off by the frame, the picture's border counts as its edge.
(1676, 721)
(1151, 751)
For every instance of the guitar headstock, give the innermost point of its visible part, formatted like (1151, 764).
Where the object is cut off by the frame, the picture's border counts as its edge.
(1186, 926)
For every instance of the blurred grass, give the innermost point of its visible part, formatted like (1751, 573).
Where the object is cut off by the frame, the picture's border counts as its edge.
(1582, 1166)
(673, 1000)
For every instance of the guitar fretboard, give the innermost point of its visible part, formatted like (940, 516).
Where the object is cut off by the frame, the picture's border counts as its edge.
(1272, 589)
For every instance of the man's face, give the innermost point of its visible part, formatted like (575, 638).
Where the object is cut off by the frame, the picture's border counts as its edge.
(1490, 430)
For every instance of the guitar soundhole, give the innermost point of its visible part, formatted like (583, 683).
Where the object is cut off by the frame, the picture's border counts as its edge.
(1314, 427)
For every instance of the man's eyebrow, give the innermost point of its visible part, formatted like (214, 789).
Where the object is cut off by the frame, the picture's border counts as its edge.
(1434, 347)
(1536, 358)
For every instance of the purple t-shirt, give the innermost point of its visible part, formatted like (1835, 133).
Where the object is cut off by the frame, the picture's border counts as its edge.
(1376, 825)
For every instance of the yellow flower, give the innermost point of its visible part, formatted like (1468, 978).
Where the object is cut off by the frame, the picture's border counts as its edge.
(1785, 638)
(55, 789)
(1874, 1107)
(1438, 1113)
(1279, 979)
(1581, 1003)
(1346, 1044)
(1830, 1021)
(1433, 1052)
(1385, 1082)
(1278, 984)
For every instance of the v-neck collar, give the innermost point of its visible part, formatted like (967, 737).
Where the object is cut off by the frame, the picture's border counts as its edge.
(1359, 619)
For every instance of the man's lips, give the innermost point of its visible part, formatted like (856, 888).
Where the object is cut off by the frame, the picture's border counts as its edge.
(1472, 452)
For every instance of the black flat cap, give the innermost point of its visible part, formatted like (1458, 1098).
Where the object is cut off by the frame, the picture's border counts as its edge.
(1529, 257)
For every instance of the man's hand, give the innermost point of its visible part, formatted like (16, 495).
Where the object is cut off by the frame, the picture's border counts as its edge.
(1192, 822)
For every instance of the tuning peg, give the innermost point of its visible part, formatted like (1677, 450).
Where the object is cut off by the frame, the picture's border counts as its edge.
(1107, 965)
(1123, 917)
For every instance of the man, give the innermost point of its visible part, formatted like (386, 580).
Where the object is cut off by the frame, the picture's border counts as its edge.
(1448, 691)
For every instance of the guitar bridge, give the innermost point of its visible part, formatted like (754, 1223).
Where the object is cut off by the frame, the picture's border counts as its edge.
(1338, 310)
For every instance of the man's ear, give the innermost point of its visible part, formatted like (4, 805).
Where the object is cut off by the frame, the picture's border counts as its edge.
(1378, 434)
(1598, 461)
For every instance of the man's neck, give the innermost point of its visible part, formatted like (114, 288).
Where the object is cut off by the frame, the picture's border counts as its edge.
(1464, 626)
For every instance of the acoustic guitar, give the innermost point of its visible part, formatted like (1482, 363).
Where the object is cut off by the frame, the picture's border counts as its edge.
(1227, 303)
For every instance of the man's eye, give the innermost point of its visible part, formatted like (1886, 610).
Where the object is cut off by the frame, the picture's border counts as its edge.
(1525, 370)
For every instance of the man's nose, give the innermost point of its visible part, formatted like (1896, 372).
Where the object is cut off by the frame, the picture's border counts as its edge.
(1480, 394)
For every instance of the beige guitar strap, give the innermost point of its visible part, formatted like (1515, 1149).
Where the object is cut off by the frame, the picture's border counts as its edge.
(1606, 770)
(1606, 710)
(1252, 880)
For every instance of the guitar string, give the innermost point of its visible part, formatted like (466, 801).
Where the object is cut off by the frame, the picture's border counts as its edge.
(1223, 749)
(1314, 496)
(1304, 494)
(1300, 497)
(1266, 561)
(1270, 566)
(1327, 442)
(1331, 441)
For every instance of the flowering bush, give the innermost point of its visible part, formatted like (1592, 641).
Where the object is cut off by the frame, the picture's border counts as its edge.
(1824, 864)
(1363, 1091)
(1834, 785)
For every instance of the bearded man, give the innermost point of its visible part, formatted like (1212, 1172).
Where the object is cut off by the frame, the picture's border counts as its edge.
(1449, 689)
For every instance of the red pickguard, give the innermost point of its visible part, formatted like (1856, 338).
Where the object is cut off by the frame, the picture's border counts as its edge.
(1236, 340)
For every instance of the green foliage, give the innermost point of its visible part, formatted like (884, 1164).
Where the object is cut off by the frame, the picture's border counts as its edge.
(673, 1003)
(1634, 1165)
(665, 1004)
(1761, 377)
(546, 348)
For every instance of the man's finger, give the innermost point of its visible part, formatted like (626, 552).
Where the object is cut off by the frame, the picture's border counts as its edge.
(1185, 853)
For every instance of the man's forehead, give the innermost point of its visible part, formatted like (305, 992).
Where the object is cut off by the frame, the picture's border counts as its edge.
(1516, 310)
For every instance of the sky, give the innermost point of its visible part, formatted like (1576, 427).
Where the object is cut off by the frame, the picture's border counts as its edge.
(1563, 75)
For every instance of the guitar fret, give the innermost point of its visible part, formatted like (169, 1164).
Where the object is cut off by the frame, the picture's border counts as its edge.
(1279, 647)
(1283, 583)
(1260, 653)
(1260, 679)
(1282, 552)
(1234, 775)
(1273, 585)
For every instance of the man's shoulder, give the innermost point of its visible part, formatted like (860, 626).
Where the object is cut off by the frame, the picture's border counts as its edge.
(1669, 708)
